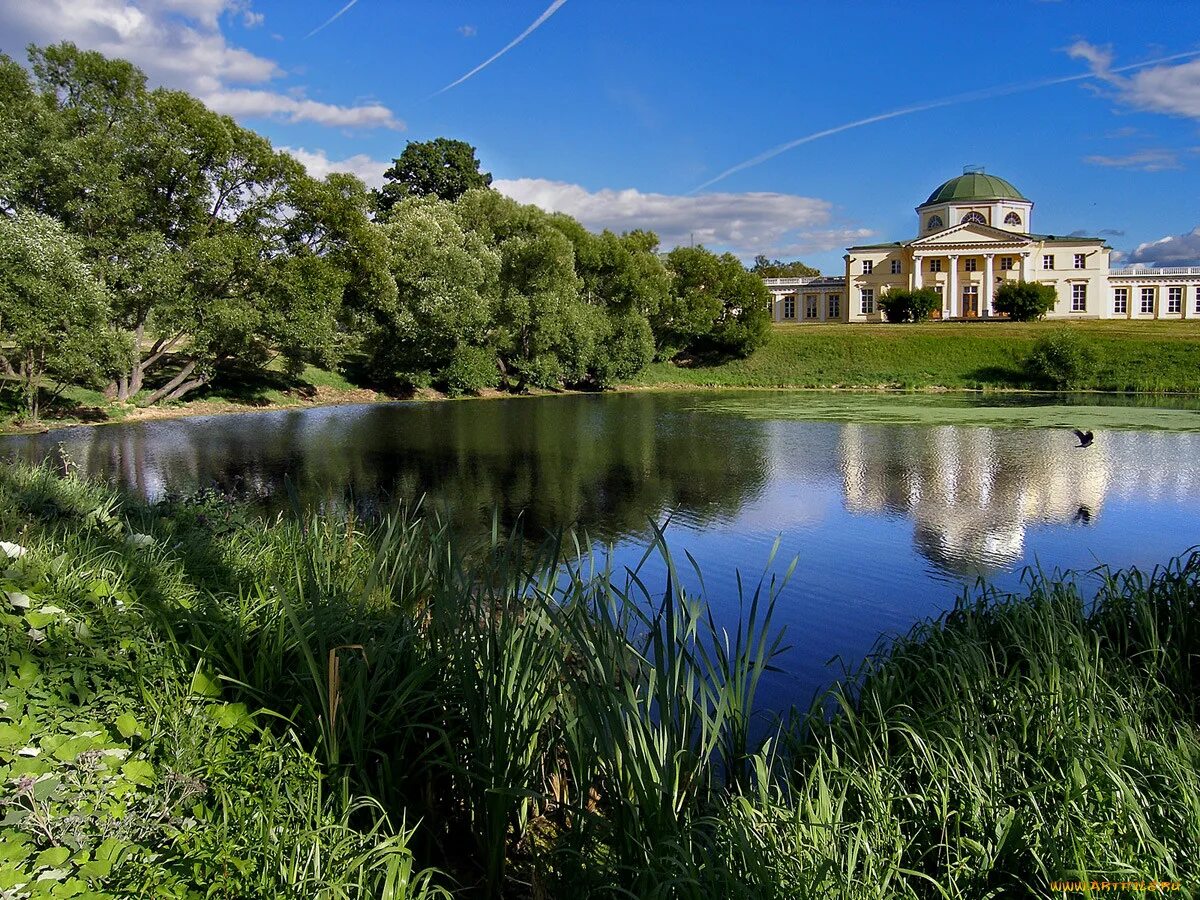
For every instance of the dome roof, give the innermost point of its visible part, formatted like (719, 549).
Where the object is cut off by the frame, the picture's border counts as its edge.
(974, 186)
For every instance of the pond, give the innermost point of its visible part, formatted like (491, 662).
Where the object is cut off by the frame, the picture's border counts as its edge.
(891, 507)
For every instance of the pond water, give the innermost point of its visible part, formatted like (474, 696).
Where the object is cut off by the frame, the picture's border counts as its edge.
(888, 511)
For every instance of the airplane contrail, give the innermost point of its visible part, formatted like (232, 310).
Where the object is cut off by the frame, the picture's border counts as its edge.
(337, 15)
(551, 10)
(982, 94)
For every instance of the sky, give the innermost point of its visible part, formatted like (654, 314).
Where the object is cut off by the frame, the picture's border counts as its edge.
(791, 129)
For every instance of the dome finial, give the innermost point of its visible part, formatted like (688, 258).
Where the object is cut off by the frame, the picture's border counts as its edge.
(973, 170)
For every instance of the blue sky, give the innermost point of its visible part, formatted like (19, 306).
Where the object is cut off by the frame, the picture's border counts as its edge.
(618, 111)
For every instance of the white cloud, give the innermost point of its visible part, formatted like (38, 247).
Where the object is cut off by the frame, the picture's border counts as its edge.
(467, 31)
(1173, 89)
(319, 165)
(180, 44)
(252, 19)
(1150, 160)
(1174, 250)
(299, 109)
(745, 224)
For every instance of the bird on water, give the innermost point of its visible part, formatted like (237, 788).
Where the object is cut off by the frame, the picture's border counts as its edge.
(1085, 438)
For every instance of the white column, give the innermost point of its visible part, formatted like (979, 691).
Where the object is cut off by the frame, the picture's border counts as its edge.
(917, 260)
(822, 305)
(952, 288)
(1025, 273)
(989, 284)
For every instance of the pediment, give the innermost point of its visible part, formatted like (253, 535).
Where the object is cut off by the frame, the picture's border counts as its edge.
(971, 233)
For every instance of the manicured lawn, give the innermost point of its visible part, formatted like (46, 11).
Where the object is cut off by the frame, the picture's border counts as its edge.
(1133, 356)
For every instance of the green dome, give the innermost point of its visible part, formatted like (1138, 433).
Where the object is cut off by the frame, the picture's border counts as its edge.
(974, 186)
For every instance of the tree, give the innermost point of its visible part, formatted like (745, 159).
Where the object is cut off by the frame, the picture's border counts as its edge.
(446, 290)
(1025, 301)
(714, 305)
(909, 306)
(442, 168)
(774, 268)
(53, 312)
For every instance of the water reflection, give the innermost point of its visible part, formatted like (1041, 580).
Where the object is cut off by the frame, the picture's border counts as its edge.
(972, 493)
(606, 463)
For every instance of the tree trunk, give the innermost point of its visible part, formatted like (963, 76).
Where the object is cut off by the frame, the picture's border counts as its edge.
(167, 391)
(187, 387)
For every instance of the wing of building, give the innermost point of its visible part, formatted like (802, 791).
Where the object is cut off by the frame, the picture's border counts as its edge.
(974, 233)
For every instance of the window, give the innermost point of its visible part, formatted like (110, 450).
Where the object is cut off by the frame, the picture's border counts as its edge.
(1080, 261)
(934, 223)
(868, 301)
(1121, 301)
(789, 306)
(835, 306)
(935, 265)
(970, 298)
(1006, 263)
(974, 218)
(1047, 262)
(868, 266)
(1012, 219)
(895, 267)
(1174, 299)
(970, 264)
(1079, 298)
(1147, 301)
(810, 306)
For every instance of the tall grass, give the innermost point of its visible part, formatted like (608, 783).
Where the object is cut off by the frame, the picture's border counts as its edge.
(529, 722)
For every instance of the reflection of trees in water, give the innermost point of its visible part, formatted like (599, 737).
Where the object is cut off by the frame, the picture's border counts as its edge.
(607, 462)
(972, 492)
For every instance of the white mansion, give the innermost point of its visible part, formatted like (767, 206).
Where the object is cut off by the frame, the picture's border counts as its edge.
(974, 232)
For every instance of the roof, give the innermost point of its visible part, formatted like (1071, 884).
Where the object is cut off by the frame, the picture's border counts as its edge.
(974, 186)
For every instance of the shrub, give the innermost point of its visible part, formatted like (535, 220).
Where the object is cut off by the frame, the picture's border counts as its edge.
(1062, 359)
(909, 306)
(471, 370)
(1025, 301)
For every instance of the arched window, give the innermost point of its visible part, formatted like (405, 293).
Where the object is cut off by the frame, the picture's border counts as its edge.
(934, 223)
(1012, 219)
(974, 218)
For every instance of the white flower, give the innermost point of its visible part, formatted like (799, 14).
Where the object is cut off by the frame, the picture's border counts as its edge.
(29, 751)
(11, 550)
(139, 540)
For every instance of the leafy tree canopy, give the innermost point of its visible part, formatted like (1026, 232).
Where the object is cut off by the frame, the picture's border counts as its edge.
(51, 309)
(442, 168)
(774, 268)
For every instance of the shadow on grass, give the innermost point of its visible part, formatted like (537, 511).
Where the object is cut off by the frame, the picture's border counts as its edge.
(1007, 376)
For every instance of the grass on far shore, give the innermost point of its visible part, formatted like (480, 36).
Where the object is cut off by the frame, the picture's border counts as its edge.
(193, 705)
(1133, 356)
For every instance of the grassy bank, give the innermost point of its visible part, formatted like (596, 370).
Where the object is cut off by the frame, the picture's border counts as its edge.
(272, 390)
(194, 705)
(1132, 356)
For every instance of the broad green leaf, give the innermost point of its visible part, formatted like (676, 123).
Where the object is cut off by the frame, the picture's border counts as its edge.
(52, 858)
(128, 725)
(205, 685)
(139, 771)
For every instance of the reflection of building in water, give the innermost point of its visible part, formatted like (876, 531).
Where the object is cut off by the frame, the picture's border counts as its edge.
(972, 492)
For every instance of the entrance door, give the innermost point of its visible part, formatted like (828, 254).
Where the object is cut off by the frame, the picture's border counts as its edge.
(970, 299)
